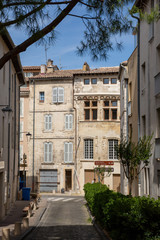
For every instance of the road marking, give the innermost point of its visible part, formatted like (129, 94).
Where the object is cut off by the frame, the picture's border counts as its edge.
(68, 199)
(50, 199)
(78, 200)
(57, 199)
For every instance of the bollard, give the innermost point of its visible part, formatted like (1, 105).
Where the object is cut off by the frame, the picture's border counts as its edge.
(5, 233)
(25, 222)
(17, 228)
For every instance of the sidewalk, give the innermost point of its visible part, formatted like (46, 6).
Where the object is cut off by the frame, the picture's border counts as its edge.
(16, 215)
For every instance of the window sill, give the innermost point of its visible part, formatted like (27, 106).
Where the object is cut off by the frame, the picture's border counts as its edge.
(69, 163)
(45, 163)
(87, 160)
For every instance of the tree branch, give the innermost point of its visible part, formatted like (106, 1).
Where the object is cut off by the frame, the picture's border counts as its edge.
(31, 3)
(87, 4)
(35, 37)
(82, 17)
(21, 18)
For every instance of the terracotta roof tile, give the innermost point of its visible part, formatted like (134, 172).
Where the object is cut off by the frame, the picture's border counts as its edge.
(70, 73)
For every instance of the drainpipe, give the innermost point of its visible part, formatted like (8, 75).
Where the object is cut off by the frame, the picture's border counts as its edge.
(33, 135)
(15, 118)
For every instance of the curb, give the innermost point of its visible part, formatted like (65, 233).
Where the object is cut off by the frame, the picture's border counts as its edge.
(102, 232)
(27, 232)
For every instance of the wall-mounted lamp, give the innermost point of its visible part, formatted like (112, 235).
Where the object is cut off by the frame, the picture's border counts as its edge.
(8, 110)
(28, 135)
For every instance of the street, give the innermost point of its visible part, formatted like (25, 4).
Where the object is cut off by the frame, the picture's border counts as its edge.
(66, 217)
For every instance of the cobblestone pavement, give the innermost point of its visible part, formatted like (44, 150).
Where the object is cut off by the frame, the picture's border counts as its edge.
(65, 219)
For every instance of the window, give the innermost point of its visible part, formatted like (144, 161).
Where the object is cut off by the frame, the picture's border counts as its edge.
(58, 95)
(68, 152)
(48, 148)
(41, 97)
(94, 80)
(110, 110)
(105, 80)
(21, 131)
(68, 121)
(48, 122)
(86, 81)
(112, 149)
(114, 114)
(106, 114)
(88, 148)
(90, 110)
(21, 107)
(113, 80)
(28, 74)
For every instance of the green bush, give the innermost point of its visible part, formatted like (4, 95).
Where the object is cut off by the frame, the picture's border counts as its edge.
(124, 217)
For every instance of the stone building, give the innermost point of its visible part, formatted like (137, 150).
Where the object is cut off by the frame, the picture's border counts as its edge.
(74, 121)
(149, 68)
(129, 109)
(11, 78)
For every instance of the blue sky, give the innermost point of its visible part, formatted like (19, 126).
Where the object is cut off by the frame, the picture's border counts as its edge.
(69, 33)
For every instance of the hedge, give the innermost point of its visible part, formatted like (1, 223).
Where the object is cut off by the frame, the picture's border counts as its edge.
(122, 216)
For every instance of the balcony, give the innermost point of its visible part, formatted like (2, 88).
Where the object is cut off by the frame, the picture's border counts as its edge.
(157, 85)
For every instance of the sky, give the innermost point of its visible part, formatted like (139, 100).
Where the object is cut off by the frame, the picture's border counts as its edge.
(69, 33)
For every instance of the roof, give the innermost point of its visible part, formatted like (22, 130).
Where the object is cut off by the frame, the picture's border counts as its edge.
(15, 59)
(31, 68)
(71, 73)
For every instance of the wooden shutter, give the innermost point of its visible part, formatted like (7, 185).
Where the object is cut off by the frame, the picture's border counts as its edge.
(45, 152)
(60, 94)
(49, 152)
(66, 150)
(66, 121)
(46, 122)
(49, 122)
(55, 95)
(70, 157)
(70, 121)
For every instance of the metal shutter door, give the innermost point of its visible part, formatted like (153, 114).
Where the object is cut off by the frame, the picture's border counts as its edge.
(48, 180)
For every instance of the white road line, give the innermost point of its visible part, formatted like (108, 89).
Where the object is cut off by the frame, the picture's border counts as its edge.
(57, 199)
(78, 200)
(68, 199)
(50, 199)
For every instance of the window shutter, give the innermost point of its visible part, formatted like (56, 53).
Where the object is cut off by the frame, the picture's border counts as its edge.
(49, 122)
(70, 152)
(45, 151)
(46, 122)
(70, 121)
(66, 122)
(21, 107)
(66, 152)
(50, 152)
(60, 94)
(54, 95)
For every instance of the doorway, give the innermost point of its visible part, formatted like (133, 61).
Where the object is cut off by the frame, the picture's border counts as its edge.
(68, 180)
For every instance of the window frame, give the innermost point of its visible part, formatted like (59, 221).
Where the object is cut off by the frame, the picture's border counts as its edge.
(48, 123)
(56, 95)
(104, 80)
(48, 154)
(92, 81)
(68, 155)
(112, 80)
(91, 110)
(88, 148)
(41, 98)
(85, 83)
(69, 122)
(114, 153)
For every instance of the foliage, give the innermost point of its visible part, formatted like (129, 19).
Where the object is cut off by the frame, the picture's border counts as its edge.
(134, 157)
(122, 216)
(102, 173)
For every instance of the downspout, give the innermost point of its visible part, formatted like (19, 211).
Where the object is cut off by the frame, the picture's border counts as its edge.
(33, 135)
(15, 118)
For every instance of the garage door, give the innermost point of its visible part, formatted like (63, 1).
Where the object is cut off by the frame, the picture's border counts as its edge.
(90, 175)
(116, 182)
(48, 180)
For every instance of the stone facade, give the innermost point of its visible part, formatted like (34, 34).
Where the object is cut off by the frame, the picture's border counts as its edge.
(56, 122)
(11, 77)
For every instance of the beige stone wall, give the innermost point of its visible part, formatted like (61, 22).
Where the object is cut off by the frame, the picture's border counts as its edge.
(99, 130)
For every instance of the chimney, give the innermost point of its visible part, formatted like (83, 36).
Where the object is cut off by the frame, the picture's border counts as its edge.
(50, 67)
(43, 68)
(86, 67)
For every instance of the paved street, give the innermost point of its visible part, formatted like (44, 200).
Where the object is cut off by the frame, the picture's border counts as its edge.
(66, 217)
